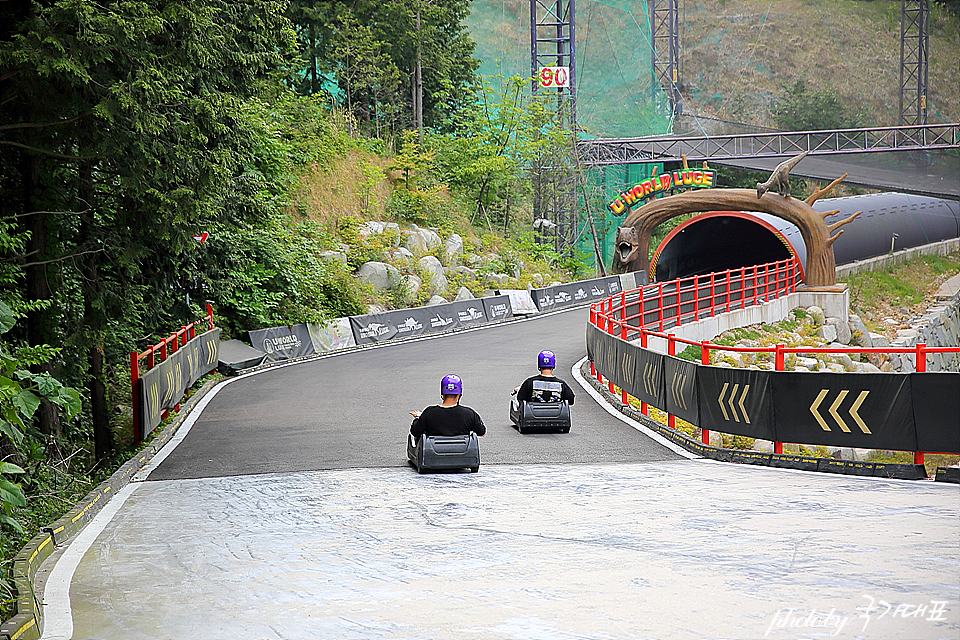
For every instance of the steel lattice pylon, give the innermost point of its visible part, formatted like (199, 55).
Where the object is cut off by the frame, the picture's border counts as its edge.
(664, 16)
(553, 44)
(914, 55)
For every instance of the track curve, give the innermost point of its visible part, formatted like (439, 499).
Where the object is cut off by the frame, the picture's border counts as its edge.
(350, 410)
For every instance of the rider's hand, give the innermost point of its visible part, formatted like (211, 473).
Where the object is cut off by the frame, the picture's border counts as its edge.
(415, 414)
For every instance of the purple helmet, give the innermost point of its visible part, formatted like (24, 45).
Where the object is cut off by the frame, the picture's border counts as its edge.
(546, 360)
(451, 385)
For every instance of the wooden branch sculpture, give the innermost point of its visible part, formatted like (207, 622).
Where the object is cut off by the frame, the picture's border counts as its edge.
(820, 268)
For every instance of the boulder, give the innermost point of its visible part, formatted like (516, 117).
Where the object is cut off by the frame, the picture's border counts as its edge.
(374, 227)
(379, 275)
(421, 240)
(828, 332)
(763, 446)
(816, 314)
(453, 249)
(333, 256)
(496, 280)
(811, 364)
(434, 270)
(399, 255)
(411, 286)
(842, 328)
(467, 273)
(463, 294)
(435, 300)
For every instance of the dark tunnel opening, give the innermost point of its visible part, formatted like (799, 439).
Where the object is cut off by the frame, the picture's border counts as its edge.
(715, 244)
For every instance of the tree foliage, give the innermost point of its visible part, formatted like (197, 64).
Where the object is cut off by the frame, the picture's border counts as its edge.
(365, 53)
(804, 109)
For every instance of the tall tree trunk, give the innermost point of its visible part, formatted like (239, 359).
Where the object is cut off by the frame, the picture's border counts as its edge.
(41, 323)
(94, 320)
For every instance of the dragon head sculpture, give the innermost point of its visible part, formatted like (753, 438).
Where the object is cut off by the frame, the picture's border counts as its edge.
(628, 245)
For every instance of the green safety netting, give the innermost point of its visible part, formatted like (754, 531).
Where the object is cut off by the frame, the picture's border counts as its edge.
(616, 92)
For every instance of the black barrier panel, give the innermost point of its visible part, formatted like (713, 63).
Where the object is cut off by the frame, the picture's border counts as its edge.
(497, 308)
(736, 401)
(605, 352)
(624, 369)
(410, 323)
(865, 410)
(680, 380)
(648, 385)
(162, 387)
(283, 343)
(405, 323)
(566, 295)
(936, 411)
(591, 343)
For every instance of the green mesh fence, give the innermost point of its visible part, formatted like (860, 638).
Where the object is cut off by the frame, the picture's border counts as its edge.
(616, 95)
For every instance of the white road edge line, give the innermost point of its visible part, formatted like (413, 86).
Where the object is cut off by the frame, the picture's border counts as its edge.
(58, 616)
(653, 435)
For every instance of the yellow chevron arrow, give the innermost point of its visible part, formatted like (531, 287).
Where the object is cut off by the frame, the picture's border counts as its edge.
(813, 409)
(836, 416)
(720, 400)
(733, 396)
(856, 407)
(742, 408)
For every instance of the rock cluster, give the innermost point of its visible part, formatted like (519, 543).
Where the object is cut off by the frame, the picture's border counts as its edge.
(419, 262)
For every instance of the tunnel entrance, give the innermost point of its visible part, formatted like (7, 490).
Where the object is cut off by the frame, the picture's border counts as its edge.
(717, 241)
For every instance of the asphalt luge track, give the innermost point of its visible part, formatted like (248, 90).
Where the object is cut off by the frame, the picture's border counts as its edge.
(351, 410)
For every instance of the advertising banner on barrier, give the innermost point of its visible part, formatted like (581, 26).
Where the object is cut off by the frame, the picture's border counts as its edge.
(162, 387)
(408, 323)
(565, 295)
(497, 308)
(680, 380)
(283, 343)
(333, 335)
(936, 411)
(864, 410)
(736, 401)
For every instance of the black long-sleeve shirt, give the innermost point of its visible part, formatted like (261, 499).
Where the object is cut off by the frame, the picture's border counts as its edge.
(457, 420)
(541, 388)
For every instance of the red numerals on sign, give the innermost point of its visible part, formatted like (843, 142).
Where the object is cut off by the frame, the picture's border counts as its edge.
(554, 77)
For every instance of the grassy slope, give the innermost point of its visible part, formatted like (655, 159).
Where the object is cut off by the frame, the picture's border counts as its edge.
(737, 56)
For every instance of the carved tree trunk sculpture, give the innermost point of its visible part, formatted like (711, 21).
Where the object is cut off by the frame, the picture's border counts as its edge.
(820, 268)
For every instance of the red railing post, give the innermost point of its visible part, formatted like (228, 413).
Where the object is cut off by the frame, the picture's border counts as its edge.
(134, 376)
(778, 364)
(672, 351)
(921, 367)
(209, 316)
(643, 344)
(611, 332)
(623, 336)
(705, 360)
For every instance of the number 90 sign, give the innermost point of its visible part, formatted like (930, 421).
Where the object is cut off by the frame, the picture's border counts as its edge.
(555, 77)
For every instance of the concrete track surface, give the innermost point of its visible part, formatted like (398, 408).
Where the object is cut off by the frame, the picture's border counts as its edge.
(288, 511)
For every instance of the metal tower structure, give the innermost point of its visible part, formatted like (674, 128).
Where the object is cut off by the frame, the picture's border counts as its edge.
(664, 18)
(914, 54)
(553, 68)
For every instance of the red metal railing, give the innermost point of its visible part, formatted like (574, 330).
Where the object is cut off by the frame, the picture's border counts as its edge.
(649, 310)
(163, 348)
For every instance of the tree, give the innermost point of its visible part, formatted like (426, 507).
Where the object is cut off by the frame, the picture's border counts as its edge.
(804, 109)
(372, 50)
(129, 115)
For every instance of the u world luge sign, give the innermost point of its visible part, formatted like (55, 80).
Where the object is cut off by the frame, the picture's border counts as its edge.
(161, 388)
(685, 178)
(901, 412)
